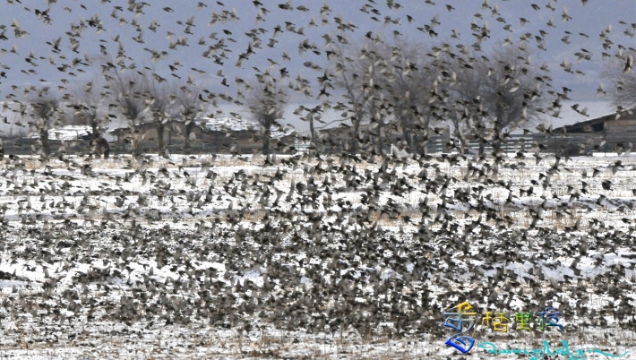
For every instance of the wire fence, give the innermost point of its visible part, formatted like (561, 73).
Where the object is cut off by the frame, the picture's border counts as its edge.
(571, 145)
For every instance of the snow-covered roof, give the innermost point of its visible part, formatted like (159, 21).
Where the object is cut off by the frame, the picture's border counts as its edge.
(240, 124)
(64, 133)
(228, 123)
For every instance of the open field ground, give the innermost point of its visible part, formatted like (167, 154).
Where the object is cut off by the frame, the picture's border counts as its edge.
(297, 257)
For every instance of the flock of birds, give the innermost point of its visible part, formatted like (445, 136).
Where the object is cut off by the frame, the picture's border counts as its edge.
(366, 245)
(320, 246)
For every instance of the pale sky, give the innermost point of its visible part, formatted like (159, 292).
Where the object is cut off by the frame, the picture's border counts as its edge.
(562, 28)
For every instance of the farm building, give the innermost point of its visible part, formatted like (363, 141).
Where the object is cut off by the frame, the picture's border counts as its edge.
(174, 132)
(614, 132)
(337, 139)
(206, 135)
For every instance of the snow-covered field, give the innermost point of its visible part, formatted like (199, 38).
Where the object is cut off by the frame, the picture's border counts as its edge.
(297, 257)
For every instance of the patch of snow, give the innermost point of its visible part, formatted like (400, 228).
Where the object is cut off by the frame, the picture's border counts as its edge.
(65, 133)
(240, 124)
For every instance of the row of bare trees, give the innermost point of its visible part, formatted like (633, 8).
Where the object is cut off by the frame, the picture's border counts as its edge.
(135, 95)
(407, 88)
(397, 87)
(142, 99)
(389, 87)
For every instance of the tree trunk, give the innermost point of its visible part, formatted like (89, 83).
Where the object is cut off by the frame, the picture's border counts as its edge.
(378, 134)
(463, 143)
(312, 132)
(135, 146)
(266, 141)
(188, 129)
(408, 135)
(354, 136)
(44, 139)
(135, 140)
(160, 131)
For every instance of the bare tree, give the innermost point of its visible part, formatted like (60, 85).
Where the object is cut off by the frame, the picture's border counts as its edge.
(456, 91)
(87, 97)
(407, 83)
(355, 73)
(129, 93)
(488, 95)
(512, 89)
(311, 115)
(160, 102)
(45, 110)
(266, 100)
(387, 84)
(190, 104)
(621, 75)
